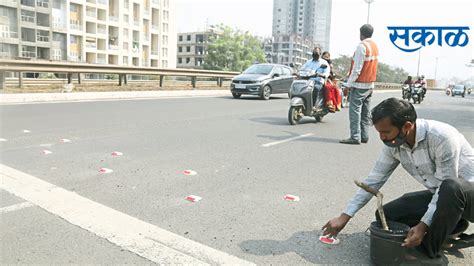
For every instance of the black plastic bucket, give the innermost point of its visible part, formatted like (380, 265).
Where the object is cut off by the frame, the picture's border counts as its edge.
(386, 246)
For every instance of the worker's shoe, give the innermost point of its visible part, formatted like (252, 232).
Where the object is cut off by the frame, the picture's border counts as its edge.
(350, 141)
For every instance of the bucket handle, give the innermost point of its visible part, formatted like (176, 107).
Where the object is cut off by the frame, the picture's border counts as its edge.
(367, 232)
(385, 239)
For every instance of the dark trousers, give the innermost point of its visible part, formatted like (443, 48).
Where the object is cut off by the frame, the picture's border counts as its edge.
(455, 202)
(318, 95)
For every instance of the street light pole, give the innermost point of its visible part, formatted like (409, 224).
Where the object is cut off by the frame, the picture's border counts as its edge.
(418, 69)
(368, 10)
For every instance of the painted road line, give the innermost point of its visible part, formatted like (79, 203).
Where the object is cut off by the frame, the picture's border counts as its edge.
(15, 207)
(286, 140)
(144, 239)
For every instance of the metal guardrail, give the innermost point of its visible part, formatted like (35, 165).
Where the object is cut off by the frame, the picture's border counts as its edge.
(84, 68)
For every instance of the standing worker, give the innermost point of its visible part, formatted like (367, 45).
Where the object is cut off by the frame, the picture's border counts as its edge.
(361, 79)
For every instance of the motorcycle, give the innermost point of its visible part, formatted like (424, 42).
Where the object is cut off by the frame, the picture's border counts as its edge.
(406, 91)
(345, 94)
(301, 101)
(417, 93)
(448, 91)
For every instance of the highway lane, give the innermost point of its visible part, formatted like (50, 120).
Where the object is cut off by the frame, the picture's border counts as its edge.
(241, 181)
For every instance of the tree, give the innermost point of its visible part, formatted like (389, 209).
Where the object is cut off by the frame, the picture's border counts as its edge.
(385, 73)
(233, 50)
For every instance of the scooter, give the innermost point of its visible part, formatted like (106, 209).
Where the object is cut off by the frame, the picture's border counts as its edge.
(301, 101)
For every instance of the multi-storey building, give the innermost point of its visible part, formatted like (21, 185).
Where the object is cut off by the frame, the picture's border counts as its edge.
(310, 19)
(119, 32)
(192, 48)
(287, 49)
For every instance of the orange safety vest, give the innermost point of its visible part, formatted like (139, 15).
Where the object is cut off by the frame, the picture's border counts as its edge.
(369, 69)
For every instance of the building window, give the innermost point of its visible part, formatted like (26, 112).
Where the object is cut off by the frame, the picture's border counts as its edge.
(180, 38)
(180, 60)
(188, 49)
(180, 49)
(188, 60)
(188, 38)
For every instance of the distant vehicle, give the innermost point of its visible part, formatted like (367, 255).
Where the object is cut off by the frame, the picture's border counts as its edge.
(449, 89)
(262, 80)
(459, 90)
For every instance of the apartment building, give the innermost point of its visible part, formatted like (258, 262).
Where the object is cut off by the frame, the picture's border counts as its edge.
(192, 49)
(288, 49)
(118, 32)
(310, 19)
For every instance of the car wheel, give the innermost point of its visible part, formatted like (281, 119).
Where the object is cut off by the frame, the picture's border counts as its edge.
(462, 95)
(266, 92)
(452, 94)
(294, 114)
(236, 95)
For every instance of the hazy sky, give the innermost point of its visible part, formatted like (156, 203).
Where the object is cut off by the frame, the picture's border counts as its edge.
(347, 17)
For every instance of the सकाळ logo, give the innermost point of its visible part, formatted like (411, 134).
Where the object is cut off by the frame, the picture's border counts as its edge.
(423, 36)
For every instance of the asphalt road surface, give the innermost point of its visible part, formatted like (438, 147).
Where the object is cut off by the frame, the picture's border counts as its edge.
(244, 157)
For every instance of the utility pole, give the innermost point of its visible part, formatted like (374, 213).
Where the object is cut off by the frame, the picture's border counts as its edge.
(368, 11)
(418, 69)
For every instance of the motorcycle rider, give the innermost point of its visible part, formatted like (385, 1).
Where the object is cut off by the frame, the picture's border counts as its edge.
(421, 80)
(321, 74)
(408, 82)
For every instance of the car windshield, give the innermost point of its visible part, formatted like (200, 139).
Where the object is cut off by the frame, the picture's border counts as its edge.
(259, 69)
(458, 87)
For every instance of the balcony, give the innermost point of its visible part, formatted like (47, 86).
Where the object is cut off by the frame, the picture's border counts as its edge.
(6, 54)
(113, 47)
(113, 18)
(29, 19)
(156, 2)
(42, 38)
(59, 26)
(9, 34)
(75, 24)
(92, 45)
(101, 30)
(91, 14)
(28, 54)
(9, 2)
(102, 2)
(136, 23)
(153, 52)
(43, 4)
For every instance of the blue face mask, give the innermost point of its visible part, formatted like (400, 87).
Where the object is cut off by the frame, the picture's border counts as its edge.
(397, 141)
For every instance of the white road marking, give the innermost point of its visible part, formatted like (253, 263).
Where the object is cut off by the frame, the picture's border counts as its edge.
(286, 140)
(139, 237)
(15, 207)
